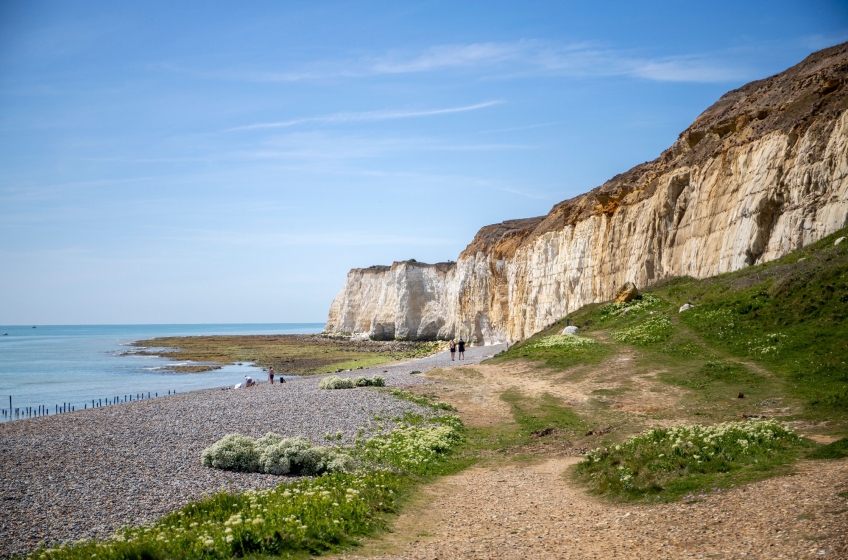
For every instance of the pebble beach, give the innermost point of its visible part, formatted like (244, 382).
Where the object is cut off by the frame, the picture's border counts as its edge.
(87, 473)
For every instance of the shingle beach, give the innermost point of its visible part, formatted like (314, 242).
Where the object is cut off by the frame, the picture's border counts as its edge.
(87, 473)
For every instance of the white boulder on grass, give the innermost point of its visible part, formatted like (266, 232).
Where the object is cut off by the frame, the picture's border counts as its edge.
(838, 241)
(685, 307)
(571, 329)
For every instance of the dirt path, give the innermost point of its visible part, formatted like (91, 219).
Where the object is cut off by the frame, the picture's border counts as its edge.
(508, 509)
(535, 512)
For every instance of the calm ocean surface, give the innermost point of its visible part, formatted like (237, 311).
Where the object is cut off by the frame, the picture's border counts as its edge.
(50, 365)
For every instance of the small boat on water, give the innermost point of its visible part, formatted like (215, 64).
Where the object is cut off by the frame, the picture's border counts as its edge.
(5, 334)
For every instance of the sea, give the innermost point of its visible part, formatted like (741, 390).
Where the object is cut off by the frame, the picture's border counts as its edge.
(59, 367)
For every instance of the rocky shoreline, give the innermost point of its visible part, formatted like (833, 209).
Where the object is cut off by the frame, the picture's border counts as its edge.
(87, 473)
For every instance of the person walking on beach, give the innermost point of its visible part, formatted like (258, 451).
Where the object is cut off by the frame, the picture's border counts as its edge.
(461, 349)
(452, 349)
(271, 375)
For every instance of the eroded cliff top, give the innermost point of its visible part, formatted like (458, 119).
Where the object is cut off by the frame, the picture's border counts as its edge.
(379, 268)
(805, 98)
(503, 238)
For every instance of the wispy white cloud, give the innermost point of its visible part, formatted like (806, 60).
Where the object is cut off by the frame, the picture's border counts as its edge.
(449, 56)
(501, 60)
(528, 57)
(684, 69)
(364, 116)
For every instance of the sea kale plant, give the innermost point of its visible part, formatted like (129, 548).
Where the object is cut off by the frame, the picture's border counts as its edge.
(273, 454)
(336, 382)
(687, 458)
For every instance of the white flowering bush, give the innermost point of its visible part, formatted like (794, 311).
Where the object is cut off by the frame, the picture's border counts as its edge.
(418, 445)
(683, 458)
(565, 341)
(336, 382)
(273, 454)
(233, 452)
(641, 303)
(650, 331)
(768, 344)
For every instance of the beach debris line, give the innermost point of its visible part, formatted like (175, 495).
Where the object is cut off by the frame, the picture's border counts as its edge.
(336, 382)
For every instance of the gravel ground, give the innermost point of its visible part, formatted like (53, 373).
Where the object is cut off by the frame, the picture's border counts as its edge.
(535, 512)
(87, 473)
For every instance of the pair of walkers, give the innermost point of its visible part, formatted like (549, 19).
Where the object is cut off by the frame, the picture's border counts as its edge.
(454, 346)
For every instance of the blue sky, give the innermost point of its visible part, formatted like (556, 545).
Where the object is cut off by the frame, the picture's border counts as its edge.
(229, 162)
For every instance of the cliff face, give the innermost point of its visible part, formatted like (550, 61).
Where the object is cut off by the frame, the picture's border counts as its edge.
(760, 173)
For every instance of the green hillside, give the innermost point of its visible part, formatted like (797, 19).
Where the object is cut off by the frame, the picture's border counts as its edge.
(776, 332)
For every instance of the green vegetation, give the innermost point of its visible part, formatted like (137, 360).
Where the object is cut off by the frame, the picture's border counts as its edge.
(419, 446)
(836, 450)
(421, 400)
(776, 330)
(534, 416)
(273, 454)
(719, 373)
(650, 331)
(336, 382)
(772, 335)
(556, 351)
(305, 516)
(666, 464)
(298, 517)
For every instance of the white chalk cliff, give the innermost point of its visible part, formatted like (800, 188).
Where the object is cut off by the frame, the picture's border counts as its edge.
(762, 172)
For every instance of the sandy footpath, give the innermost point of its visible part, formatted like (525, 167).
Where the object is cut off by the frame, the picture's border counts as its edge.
(536, 512)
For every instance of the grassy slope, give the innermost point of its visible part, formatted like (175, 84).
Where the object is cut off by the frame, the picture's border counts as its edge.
(776, 333)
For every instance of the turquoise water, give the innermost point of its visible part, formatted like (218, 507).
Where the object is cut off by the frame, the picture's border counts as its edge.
(53, 364)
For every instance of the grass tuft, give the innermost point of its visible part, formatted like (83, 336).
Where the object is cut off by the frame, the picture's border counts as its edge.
(836, 450)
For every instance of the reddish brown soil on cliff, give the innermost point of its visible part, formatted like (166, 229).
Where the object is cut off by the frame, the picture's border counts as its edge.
(807, 97)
